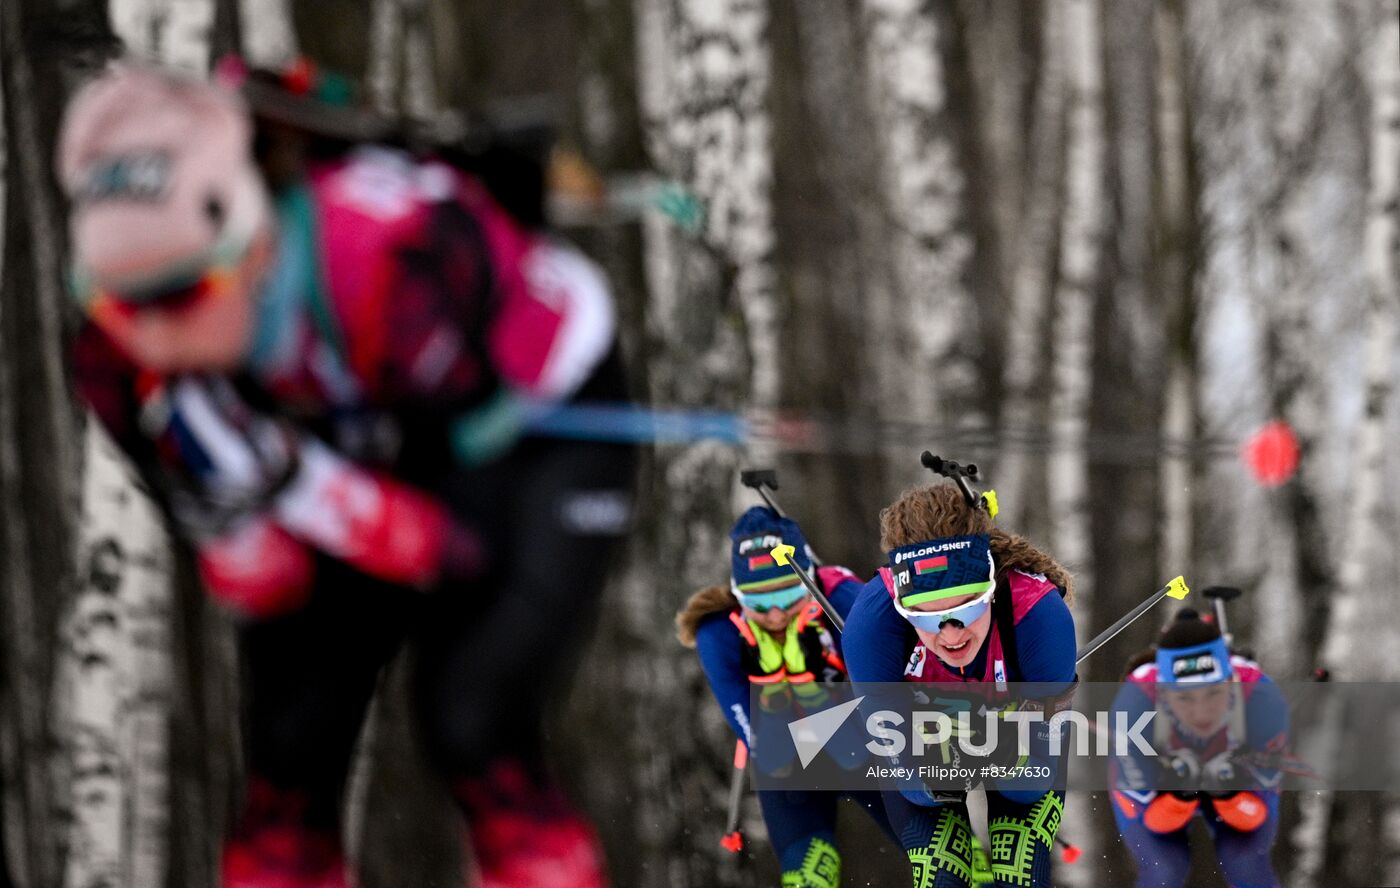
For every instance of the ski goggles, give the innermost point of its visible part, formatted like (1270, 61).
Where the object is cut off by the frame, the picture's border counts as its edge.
(116, 310)
(933, 620)
(761, 601)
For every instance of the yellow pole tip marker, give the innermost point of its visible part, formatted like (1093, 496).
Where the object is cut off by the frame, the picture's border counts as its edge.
(782, 554)
(1178, 589)
(989, 499)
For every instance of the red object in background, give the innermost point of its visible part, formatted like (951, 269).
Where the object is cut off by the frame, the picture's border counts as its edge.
(1070, 853)
(1273, 453)
(300, 77)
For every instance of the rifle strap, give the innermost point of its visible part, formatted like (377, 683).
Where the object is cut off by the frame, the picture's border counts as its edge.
(1004, 614)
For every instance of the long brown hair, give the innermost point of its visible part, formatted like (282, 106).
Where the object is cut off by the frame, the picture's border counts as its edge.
(940, 510)
(710, 600)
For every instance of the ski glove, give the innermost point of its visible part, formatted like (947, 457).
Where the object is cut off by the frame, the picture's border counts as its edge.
(1241, 811)
(1169, 812)
(236, 467)
(221, 462)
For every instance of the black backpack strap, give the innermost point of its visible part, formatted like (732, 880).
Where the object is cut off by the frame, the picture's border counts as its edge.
(1005, 615)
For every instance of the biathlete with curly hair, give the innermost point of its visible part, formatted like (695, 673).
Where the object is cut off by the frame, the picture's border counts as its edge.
(987, 607)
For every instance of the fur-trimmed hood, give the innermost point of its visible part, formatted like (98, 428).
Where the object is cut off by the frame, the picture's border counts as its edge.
(710, 600)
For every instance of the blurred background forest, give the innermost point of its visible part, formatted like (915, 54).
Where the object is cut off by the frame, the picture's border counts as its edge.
(1092, 245)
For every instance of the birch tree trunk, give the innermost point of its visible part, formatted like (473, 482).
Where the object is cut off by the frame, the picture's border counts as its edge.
(1034, 268)
(1080, 255)
(117, 678)
(172, 32)
(711, 338)
(926, 356)
(837, 258)
(1356, 646)
(1286, 254)
(269, 39)
(42, 46)
(1278, 187)
(1080, 258)
(1358, 600)
(1175, 262)
(114, 681)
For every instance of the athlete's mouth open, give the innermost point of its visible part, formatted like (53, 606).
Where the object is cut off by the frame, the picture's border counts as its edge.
(955, 648)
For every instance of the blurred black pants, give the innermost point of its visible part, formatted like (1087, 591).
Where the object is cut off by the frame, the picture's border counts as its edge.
(487, 656)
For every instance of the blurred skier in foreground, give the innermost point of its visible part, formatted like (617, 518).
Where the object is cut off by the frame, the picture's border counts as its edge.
(324, 386)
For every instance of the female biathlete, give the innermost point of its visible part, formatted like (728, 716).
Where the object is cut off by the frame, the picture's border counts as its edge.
(945, 624)
(322, 385)
(765, 631)
(1224, 725)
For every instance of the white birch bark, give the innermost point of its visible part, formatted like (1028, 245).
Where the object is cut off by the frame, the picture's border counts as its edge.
(1288, 264)
(703, 81)
(420, 90)
(1174, 213)
(1353, 605)
(706, 100)
(1081, 247)
(172, 32)
(1280, 195)
(1022, 413)
(927, 369)
(269, 38)
(29, 771)
(859, 276)
(401, 66)
(113, 680)
(385, 37)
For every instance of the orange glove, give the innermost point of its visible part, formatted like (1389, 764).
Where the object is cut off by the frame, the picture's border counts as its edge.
(1169, 812)
(1244, 811)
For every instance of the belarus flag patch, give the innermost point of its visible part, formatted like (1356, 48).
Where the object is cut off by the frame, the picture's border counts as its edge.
(931, 565)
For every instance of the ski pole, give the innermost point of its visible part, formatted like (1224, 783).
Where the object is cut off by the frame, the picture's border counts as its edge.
(1176, 589)
(1218, 595)
(763, 481)
(733, 840)
(783, 555)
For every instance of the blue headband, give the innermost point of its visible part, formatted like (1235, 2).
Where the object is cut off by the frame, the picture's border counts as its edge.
(755, 535)
(942, 568)
(1203, 664)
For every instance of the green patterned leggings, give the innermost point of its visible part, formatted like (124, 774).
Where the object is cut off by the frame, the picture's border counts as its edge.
(821, 867)
(941, 847)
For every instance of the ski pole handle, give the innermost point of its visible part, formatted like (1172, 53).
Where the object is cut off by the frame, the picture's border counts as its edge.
(1176, 589)
(762, 481)
(1218, 595)
(950, 469)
